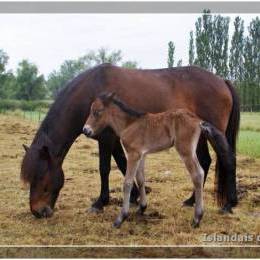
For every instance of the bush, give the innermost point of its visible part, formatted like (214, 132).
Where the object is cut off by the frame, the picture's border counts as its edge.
(10, 104)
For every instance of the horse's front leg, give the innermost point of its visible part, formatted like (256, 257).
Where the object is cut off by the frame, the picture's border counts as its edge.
(132, 166)
(105, 153)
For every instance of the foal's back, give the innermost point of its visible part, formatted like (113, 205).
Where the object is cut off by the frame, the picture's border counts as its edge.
(155, 132)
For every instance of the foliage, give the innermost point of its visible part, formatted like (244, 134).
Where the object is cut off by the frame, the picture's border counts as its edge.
(71, 68)
(191, 49)
(236, 62)
(31, 86)
(171, 49)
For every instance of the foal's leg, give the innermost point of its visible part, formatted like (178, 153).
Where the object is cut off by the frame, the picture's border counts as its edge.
(197, 176)
(132, 166)
(120, 159)
(205, 161)
(141, 185)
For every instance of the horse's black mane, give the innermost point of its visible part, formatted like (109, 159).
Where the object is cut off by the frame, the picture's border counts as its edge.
(124, 107)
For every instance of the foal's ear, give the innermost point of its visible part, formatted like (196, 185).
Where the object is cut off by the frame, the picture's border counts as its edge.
(25, 147)
(109, 97)
(44, 153)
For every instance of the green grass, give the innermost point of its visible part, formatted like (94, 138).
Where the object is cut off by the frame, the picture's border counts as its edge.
(249, 143)
(250, 121)
(249, 136)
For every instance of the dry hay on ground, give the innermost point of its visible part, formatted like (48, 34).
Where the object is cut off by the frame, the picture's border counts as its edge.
(165, 222)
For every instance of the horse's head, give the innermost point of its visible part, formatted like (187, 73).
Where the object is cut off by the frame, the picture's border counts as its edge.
(99, 115)
(44, 174)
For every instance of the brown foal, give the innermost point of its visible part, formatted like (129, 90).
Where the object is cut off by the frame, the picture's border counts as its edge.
(144, 133)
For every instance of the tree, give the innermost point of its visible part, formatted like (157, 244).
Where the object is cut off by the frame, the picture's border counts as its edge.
(237, 51)
(251, 64)
(3, 62)
(212, 43)
(191, 49)
(203, 40)
(219, 45)
(171, 49)
(103, 56)
(31, 86)
(130, 64)
(179, 63)
(68, 70)
(71, 68)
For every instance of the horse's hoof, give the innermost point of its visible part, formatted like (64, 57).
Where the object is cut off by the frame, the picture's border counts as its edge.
(195, 224)
(226, 210)
(188, 203)
(148, 189)
(133, 204)
(141, 210)
(95, 210)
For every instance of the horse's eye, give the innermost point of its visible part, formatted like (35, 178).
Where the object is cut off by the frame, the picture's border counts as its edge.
(45, 190)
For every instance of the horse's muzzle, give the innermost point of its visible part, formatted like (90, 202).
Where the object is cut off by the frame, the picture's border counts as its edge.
(88, 131)
(45, 212)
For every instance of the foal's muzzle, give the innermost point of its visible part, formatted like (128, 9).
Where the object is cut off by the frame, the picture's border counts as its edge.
(87, 130)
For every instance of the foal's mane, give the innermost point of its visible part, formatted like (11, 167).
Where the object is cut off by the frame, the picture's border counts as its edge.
(123, 106)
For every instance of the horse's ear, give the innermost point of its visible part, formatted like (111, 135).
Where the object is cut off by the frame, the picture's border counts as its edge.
(44, 153)
(25, 147)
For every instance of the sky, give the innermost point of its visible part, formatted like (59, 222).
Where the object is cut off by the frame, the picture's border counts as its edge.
(49, 39)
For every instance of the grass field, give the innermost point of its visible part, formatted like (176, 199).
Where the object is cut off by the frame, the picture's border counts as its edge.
(165, 222)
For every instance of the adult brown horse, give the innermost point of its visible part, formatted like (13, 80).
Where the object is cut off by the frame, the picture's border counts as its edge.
(201, 92)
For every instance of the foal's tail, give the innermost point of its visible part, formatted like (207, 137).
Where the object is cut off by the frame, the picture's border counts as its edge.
(227, 163)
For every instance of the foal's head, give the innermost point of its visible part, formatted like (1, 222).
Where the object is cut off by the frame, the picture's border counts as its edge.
(99, 115)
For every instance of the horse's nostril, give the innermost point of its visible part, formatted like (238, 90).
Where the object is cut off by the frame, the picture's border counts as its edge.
(36, 214)
(45, 212)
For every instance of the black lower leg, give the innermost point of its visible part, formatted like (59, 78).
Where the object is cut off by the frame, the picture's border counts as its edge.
(121, 162)
(205, 161)
(104, 168)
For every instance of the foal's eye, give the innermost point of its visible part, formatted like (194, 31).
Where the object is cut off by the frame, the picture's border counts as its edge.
(45, 190)
(96, 113)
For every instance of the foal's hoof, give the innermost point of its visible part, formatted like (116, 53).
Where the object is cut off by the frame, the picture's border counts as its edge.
(195, 224)
(120, 219)
(95, 210)
(117, 224)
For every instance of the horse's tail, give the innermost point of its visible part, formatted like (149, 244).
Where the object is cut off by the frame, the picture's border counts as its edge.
(226, 163)
(234, 119)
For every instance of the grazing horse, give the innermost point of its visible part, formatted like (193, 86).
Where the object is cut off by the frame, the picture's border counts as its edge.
(201, 92)
(144, 133)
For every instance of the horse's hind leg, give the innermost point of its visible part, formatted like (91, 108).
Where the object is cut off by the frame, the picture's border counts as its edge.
(205, 161)
(140, 178)
(120, 159)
